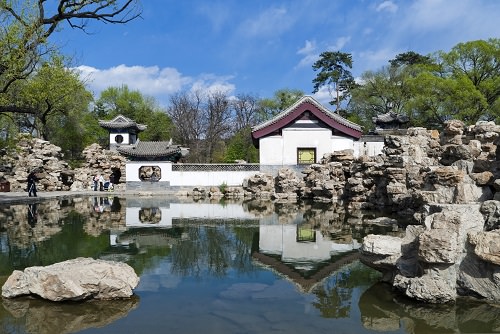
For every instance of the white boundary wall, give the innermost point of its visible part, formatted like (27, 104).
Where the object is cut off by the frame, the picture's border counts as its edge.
(187, 178)
(273, 153)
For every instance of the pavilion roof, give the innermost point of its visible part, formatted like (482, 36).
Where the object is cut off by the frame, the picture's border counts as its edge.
(122, 122)
(151, 150)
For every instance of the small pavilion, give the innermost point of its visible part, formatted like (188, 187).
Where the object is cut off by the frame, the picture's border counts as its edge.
(122, 131)
(146, 160)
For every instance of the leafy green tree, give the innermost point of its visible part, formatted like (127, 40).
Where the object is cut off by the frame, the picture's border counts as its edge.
(410, 58)
(462, 84)
(133, 104)
(380, 92)
(334, 70)
(477, 65)
(27, 26)
(53, 93)
(240, 147)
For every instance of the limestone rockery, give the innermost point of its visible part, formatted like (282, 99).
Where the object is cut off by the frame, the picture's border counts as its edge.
(444, 186)
(53, 173)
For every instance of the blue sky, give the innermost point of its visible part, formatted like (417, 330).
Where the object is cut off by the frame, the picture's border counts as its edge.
(260, 46)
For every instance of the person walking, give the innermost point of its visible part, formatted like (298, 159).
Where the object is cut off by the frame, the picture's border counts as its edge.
(95, 179)
(32, 183)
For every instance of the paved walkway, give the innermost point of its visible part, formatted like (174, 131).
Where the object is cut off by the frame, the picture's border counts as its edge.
(21, 197)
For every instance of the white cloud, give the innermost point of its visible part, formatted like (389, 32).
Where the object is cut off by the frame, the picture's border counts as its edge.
(270, 22)
(148, 80)
(373, 60)
(210, 83)
(216, 13)
(387, 6)
(152, 81)
(309, 47)
(309, 54)
(340, 43)
(324, 96)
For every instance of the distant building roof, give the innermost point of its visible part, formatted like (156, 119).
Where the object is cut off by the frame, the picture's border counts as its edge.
(390, 120)
(122, 122)
(152, 150)
(307, 103)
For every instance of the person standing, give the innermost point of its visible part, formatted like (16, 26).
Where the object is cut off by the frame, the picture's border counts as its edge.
(101, 183)
(32, 183)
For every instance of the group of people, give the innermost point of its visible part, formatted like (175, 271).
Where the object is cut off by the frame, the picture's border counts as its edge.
(98, 181)
(102, 184)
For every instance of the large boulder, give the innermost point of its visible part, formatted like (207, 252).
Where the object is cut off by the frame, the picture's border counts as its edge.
(450, 255)
(260, 185)
(77, 279)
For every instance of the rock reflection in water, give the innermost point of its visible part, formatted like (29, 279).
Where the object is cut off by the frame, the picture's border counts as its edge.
(383, 311)
(38, 316)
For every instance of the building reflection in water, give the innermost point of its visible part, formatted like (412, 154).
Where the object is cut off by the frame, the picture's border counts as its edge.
(289, 243)
(314, 247)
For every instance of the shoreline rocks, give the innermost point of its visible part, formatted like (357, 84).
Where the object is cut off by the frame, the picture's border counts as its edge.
(74, 280)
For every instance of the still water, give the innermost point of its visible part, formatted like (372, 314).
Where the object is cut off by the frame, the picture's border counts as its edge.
(218, 267)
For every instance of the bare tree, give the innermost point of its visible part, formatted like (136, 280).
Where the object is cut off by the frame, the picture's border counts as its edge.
(218, 120)
(245, 108)
(187, 115)
(201, 122)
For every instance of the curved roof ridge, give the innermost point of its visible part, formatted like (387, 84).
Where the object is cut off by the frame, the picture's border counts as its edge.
(121, 121)
(306, 103)
(303, 99)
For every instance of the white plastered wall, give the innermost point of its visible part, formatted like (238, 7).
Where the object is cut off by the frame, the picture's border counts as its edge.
(126, 138)
(282, 150)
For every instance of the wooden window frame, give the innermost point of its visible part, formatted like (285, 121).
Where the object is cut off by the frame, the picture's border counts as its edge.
(303, 149)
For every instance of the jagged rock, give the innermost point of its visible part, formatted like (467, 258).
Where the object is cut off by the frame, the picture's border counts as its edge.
(54, 173)
(450, 256)
(482, 179)
(287, 182)
(77, 279)
(429, 288)
(338, 156)
(234, 192)
(260, 185)
(486, 245)
(452, 153)
(491, 212)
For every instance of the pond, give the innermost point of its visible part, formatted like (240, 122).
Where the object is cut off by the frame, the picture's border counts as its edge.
(218, 267)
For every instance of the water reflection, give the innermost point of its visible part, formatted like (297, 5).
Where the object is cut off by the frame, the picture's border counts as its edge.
(382, 311)
(254, 266)
(37, 316)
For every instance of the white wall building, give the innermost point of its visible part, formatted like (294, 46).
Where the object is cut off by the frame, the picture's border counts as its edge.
(305, 132)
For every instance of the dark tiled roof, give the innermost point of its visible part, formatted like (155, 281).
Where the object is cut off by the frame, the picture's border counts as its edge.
(122, 122)
(303, 104)
(391, 117)
(150, 149)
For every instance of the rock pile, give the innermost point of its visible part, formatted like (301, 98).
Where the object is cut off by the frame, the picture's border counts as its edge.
(447, 187)
(450, 255)
(30, 154)
(458, 165)
(54, 174)
(99, 162)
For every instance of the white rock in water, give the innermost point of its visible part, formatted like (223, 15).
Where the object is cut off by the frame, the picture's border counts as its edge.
(77, 279)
